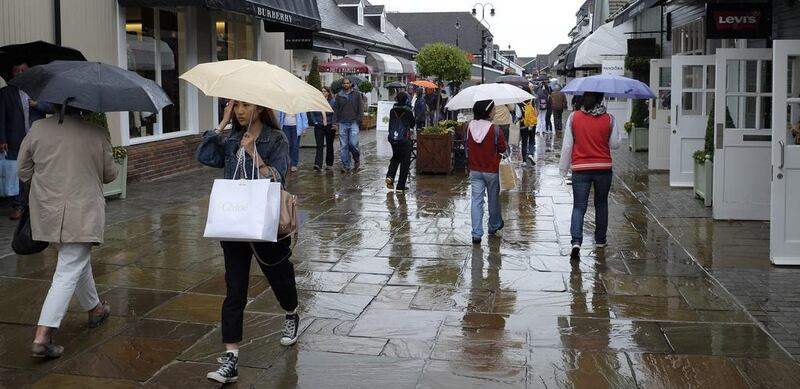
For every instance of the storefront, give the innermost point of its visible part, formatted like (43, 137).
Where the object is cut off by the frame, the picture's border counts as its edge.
(161, 39)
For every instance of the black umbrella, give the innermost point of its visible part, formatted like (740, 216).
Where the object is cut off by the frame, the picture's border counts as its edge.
(92, 86)
(513, 80)
(36, 53)
(541, 79)
(395, 85)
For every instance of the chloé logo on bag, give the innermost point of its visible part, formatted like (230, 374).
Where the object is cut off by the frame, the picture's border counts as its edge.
(234, 207)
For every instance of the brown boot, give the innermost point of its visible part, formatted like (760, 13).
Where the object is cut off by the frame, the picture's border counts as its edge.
(16, 214)
(47, 350)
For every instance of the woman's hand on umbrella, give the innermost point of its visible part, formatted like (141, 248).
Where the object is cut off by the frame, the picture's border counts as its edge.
(226, 116)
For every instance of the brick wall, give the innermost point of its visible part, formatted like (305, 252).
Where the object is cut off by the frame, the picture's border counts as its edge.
(153, 160)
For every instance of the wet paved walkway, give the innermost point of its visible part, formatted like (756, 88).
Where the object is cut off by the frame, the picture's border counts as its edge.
(393, 295)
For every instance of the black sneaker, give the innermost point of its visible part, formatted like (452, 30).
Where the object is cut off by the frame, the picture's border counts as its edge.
(476, 240)
(290, 327)
(228, 371)
(403, 189)
(317, 168)
(532, 159)
(575, 254)
(502, 224)
(356, 165)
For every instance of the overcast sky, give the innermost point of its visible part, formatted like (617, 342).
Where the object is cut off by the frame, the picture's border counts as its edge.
(530, 26)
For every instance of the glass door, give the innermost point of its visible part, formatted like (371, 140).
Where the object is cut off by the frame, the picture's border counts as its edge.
(692, 99)
(785, 204)
(661, 84)
(743, 132)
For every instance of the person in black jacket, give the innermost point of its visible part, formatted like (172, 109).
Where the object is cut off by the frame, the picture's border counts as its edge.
(401, 121)
(420, 109)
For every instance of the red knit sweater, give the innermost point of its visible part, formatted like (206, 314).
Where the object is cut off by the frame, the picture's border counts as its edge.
(591, 150)
(485, 156)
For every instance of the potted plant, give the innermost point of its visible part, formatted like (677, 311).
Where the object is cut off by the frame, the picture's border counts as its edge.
(704, 165)
(435, 150)
(638, 133)
(120, 185)
(445, 62)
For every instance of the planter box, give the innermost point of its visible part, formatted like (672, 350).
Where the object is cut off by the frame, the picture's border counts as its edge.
(704, 181)
(368, 122)
(639, 139)
(118, 187)
(434, 153)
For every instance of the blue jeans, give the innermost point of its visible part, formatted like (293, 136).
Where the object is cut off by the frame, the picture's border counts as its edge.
(489, 183)
(294, 143)
(348, 140)
(581, 184)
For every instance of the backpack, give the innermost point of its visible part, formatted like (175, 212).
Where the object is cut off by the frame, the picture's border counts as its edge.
(529, 116)
(399, 132)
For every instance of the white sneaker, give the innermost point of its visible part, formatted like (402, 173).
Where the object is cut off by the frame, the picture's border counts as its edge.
(294, 168)
(524, 164)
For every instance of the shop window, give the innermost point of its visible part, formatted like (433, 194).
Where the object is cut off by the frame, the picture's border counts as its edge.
(156, 46)
(234, 39)
(689, 38)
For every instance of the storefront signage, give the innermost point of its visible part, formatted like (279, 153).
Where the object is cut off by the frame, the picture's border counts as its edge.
(738, 21)
(271, 14)
(298, 40)
(614, 67)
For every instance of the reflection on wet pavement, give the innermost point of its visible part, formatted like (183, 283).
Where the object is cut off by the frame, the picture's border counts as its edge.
(394, 295)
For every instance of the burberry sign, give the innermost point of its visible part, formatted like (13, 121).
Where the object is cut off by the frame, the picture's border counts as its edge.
(271, 14)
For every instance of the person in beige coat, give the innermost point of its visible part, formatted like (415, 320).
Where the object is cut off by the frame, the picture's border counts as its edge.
(65, 165)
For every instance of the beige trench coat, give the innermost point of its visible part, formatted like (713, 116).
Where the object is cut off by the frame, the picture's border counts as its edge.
(67, 165)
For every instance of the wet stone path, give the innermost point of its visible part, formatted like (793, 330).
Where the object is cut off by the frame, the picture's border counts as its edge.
(394, 295)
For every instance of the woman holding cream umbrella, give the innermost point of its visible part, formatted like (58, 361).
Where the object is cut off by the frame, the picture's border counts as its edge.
(256, 91)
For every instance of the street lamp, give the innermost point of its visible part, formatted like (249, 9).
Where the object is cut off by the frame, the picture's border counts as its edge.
(458, 27)
(483, 32)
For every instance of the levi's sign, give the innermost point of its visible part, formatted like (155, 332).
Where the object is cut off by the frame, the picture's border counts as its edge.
(738, 21)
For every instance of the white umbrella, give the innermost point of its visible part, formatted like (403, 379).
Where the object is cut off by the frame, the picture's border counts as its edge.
(259, 83)
(500, 93)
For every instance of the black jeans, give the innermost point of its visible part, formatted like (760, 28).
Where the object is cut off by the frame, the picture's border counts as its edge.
(582, 181)
(324, 137)
(549, 123)
(237, 276)
(401, 156)
(528, 137)
(558, 117)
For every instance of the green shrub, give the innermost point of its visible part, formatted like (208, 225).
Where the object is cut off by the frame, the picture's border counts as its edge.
(448, 123)
(365, 86)
(314, 78)
(639, 113)
(628, 127)
(436, 130)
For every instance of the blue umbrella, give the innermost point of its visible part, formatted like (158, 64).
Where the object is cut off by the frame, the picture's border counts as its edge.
(611, 86)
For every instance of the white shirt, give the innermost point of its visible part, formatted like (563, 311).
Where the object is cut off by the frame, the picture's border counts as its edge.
(290, 120)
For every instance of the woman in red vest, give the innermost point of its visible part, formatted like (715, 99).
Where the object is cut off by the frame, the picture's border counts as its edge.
(588, 139)
(485, 142)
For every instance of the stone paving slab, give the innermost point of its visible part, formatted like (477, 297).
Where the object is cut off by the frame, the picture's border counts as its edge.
(394, 295)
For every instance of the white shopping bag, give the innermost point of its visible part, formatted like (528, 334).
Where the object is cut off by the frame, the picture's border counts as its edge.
(244, 210)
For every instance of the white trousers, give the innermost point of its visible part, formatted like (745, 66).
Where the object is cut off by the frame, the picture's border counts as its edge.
(73, 276)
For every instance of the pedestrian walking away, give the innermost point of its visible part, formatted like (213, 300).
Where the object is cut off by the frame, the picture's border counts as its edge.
(543, 105)
(66, 164)
(323, 133)
(485, 143)
(558, 103)
(348, 109)
(293, 126)
(256, 139)
(589, 137)
(527, 131)
(503, 119)
(17, 113)
(420, 110)
(401, 122)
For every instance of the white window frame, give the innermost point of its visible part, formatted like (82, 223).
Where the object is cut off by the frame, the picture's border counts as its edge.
(360, 14)
(191, 92)
(690, 38)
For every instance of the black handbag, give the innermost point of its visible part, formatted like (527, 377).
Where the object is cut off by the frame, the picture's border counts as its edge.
(23, 243)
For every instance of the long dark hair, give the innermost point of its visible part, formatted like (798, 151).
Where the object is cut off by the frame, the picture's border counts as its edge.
(482, 110)
(328, 89)
(267, 117)
(590, 100)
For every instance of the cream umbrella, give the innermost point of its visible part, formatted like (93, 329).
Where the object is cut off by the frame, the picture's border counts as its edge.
(259, 83)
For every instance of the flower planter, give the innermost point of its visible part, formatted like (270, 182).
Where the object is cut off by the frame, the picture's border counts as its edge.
(704, 181)
(118, 187)
(435, 153)
(368, 122)
(639, 139)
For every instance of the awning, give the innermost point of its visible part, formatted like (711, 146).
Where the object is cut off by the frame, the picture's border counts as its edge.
(408, 66)
(569, 58)
(607, 40)
(296, 13)
(635, 8)
(328, 45)
(384, 63)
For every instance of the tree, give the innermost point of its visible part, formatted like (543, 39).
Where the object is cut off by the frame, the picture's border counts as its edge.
(446, 63)
(313, 74)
